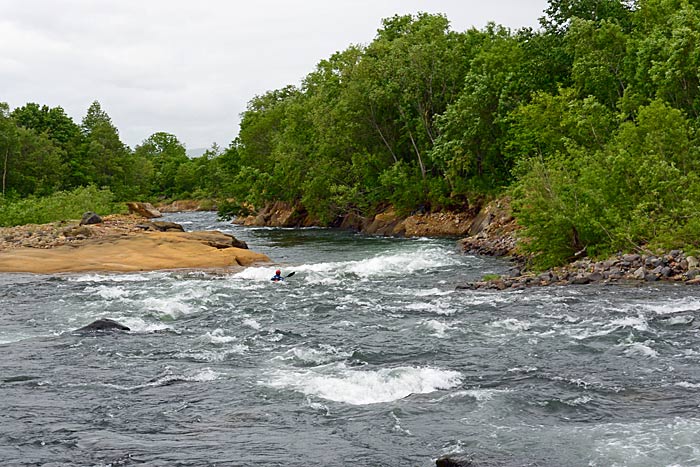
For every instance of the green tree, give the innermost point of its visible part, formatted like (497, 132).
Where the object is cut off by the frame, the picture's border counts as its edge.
(64, 134)
(472, 129)
(599, 51)
(107, 158)
(165, 154)
(668, 53)
(560, 13)
(37, 166)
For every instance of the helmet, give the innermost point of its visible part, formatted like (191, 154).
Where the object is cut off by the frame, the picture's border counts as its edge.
(278, 272)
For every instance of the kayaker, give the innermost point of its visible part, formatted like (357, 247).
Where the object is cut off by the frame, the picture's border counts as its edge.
(277, 277)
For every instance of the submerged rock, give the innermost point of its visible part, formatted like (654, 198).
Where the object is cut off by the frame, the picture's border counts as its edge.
(103, 325)
(454, 460)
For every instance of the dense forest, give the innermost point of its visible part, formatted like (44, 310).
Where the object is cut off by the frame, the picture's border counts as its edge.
(589, 123)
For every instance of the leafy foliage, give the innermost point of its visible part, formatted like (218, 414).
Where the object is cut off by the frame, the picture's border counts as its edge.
(590, 123)
(61, 205)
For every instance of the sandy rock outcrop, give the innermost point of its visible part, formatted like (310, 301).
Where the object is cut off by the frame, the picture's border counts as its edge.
(145, 252)
(119, 243)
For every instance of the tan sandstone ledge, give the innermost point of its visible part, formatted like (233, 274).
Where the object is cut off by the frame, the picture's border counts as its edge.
(118, 245)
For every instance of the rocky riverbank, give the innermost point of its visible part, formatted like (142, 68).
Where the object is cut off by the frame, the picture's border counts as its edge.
(388, 222)
(674, 266)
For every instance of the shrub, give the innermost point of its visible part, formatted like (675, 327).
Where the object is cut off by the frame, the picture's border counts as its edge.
(62, 205)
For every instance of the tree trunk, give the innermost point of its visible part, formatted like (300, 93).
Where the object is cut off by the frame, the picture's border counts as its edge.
(381, 135)
(420, 159)
(413, 142)
(4, 170)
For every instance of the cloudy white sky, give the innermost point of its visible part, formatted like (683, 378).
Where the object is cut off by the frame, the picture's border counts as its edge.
(190, 67)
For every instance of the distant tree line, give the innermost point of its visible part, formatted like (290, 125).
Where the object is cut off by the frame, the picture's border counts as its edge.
(43, 151)
(590, 123)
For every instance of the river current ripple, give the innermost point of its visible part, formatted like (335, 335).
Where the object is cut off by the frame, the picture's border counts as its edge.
(367, 356)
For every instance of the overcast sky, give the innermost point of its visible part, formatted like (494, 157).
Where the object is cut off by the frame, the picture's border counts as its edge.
(190, 67)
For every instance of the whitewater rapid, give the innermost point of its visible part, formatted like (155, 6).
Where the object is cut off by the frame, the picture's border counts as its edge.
(367, 355)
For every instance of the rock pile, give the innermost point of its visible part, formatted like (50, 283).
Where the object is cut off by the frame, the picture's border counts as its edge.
(492, 232)
(673, 266)
(65, 232)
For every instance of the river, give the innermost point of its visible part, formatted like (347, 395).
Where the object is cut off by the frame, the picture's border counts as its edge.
(367, 356)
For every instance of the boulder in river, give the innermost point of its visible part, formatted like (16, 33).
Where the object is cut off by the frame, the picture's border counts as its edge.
(90, 218)
(103, 325)
(454, 460)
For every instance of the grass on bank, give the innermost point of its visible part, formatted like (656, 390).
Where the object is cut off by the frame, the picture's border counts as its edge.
(62, 205)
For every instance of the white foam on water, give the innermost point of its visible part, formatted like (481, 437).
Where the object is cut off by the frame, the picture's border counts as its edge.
(583, 384)
(356, 301)
(524, 370)
(113, 277)
(439, 328)
(195, 291)
(168, 377)
(204, 375)
(655, 442)
(139, 325)
(476, 298)
(439, 307)
(595, 329)
(457, 447)
(214, 356)
(432, 292)
(344, 324)
(384, 265)
(670, 306)
(324, 354)
(397, 425)
(682, 319)
(9, 339)
(168, 306)
(635, 322)
(588, 329)
(251, 323)
(108, 292)
(478, 394)
(511, 324)
(687, 385)
(642, 349)
(260, 274)
(318, 406)
(420, 306)
(581, 400)
(217, 336)
(360, 387)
